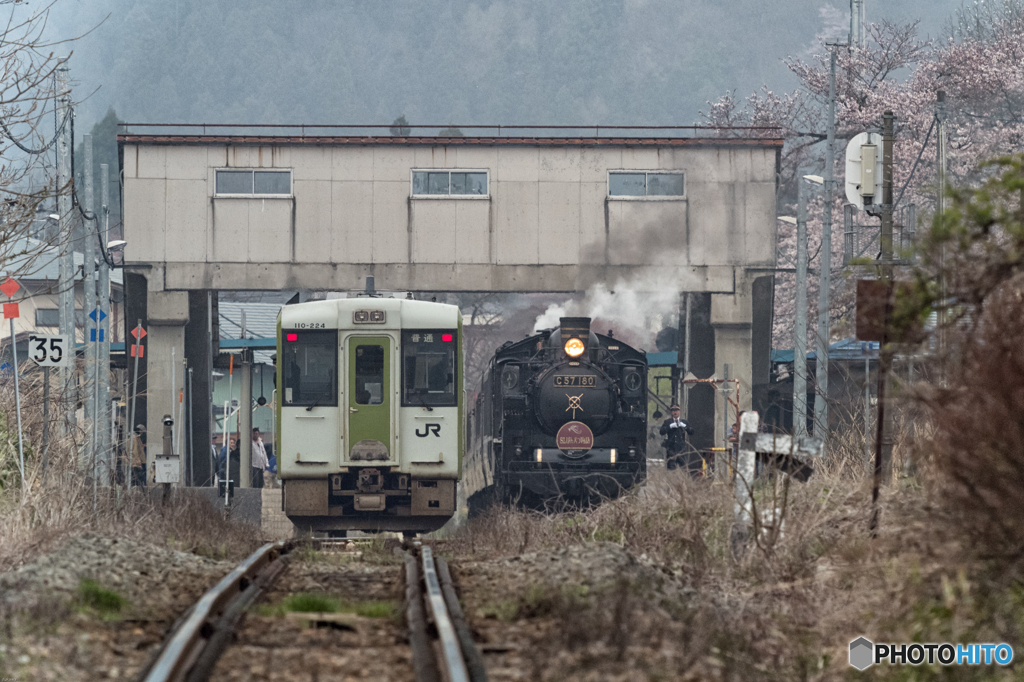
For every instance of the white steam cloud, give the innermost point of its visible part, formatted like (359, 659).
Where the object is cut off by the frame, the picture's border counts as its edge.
(636, 310)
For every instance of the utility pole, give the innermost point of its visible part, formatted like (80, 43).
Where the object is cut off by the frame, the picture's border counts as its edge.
(687, 355)
(104, 413)
(66, 276)
(89, 306)
(245, 421)
(825, 274)
(857, 23)
(682, 393)
(883, 428)
(800, 336)
(210, 379)
(940, 207)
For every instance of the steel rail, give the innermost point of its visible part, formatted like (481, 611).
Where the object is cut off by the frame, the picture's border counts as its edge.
(450, 649)
(424, 662)
(471, 654)
(190, 638)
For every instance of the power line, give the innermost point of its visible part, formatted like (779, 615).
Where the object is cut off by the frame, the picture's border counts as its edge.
(42, 150)
(912, 170)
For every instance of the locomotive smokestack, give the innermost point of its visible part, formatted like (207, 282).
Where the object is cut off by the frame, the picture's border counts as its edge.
(574, 328)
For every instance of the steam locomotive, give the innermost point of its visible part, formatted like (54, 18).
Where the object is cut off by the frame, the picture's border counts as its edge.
(561, 417)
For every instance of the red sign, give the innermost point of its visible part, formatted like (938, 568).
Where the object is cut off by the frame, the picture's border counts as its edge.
(141, 350)
(574, 437)
(10, 287)
(10, 309)
(138, 333)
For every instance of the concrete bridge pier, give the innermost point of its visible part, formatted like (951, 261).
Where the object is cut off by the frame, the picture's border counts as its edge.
(176, 324)
(742, 345)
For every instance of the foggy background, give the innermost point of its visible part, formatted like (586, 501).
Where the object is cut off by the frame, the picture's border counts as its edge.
(614, 62)
(650, 62)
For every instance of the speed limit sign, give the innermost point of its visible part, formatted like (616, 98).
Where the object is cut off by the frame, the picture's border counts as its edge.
(48, 351)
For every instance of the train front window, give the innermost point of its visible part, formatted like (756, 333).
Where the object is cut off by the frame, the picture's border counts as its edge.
(369, 375)
(310, 368)
(429, 365)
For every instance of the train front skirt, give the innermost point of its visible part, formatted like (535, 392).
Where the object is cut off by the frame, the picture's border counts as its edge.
(599, 474)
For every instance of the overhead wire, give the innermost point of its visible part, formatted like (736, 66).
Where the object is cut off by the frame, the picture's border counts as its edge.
(87, 216)
(912, 170)
(46, 147)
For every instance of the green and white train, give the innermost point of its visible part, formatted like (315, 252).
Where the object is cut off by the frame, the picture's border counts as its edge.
(369, 413)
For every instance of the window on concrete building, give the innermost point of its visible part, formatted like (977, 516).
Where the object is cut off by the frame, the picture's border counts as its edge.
(645, 183)
(50, 317)
(449, 183)
(47, 317)
(254, 182)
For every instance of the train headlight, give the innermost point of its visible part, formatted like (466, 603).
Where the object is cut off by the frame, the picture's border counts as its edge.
(574, 348)
(539, 452)
(613, 455)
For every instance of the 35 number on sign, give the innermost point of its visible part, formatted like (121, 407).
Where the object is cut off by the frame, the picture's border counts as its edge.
(47, 351)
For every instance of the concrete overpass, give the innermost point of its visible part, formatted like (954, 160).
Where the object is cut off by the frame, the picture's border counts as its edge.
(221, 212)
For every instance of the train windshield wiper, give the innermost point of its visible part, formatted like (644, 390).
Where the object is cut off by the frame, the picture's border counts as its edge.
(419, 394)
(310, 407)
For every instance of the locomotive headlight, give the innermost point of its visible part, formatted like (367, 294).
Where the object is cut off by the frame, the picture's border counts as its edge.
(574, 348)
(614, 454)
(539, 452)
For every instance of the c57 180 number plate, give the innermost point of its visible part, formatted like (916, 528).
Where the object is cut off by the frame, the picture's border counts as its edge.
(574, 380)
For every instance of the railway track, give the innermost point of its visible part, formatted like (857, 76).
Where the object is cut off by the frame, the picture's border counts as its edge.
(440, 639)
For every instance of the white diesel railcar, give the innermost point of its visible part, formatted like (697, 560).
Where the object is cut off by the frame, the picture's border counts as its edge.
(369, 413)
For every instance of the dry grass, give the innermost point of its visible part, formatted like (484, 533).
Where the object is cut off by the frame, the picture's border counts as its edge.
(60, 501)
(977, 452)
(781, 610)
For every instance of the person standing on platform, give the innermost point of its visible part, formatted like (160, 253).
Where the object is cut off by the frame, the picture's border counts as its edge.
(675, 430)
(137, 456)
(228, 451)
(259, 459)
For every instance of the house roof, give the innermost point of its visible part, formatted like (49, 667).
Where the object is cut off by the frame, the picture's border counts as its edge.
(498, 135)
(260, 326)
(847, 349)
(662, 359)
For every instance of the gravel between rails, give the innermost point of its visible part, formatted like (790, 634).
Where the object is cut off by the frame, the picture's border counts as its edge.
(286, 648)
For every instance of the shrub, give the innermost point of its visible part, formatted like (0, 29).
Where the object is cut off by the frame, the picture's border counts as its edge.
(94, 596)
(307, 602)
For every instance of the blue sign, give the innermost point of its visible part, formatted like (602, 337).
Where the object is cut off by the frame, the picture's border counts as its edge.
(92, 316)
(92, 334)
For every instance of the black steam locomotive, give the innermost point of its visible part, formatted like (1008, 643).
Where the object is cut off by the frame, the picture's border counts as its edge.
(561, 417)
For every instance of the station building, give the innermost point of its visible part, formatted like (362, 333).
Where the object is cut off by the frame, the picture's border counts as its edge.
(204, 213)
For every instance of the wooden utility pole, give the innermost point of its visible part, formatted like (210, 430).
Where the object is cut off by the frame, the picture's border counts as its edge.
(940, 208)
(104, 413)
(883, 430)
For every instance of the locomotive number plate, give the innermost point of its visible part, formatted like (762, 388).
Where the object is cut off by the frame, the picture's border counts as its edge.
(574, 380)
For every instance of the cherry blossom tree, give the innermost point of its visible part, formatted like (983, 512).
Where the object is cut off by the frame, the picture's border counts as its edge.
(981, 70)
(28, 126)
